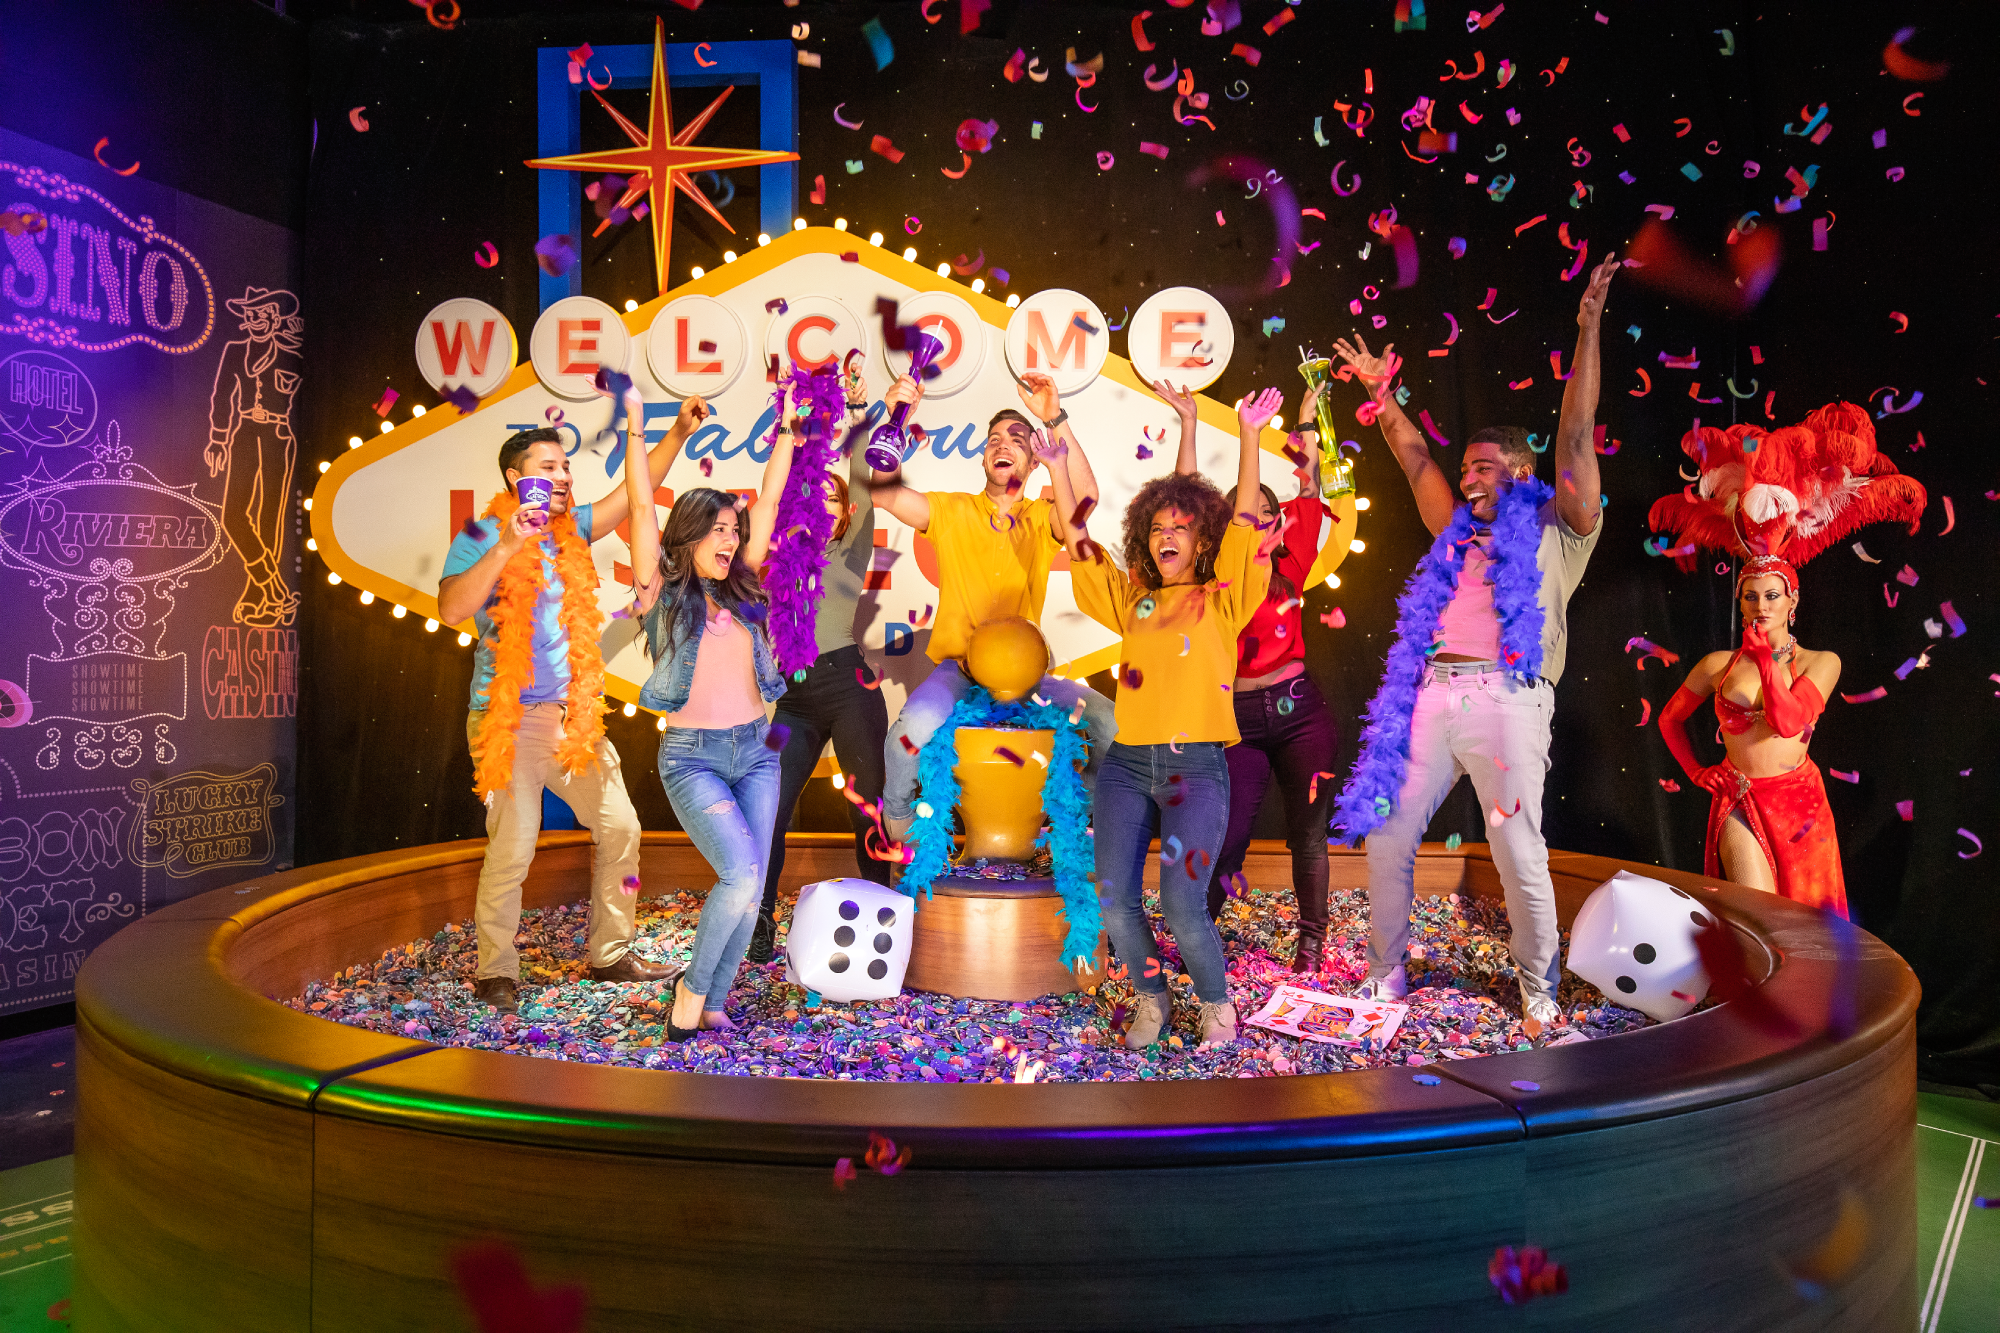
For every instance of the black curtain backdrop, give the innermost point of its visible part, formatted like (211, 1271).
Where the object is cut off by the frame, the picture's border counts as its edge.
(396, 213)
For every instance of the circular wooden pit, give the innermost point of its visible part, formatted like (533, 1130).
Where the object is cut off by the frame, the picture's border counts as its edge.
(243, 1166)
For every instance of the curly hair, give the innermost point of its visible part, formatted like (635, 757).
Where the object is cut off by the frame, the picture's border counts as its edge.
(1193, 495)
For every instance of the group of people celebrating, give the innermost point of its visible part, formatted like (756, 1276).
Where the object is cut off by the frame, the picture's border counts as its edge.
(1213, 700)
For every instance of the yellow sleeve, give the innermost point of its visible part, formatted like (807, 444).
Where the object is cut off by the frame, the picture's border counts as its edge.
(1242, 576)
(946, 512)
(1102, 591)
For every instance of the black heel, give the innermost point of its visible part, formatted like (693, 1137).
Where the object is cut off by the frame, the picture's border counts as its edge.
(679, 1034)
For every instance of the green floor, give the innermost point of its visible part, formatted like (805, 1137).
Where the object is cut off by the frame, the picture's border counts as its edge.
(1958, 1244)
(34, 1247)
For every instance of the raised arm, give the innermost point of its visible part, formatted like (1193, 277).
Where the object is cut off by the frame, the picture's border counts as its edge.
(1051, 450)
(777, 471)
(1038, 395)
(1428, 482)
(645, 529)
(608, 513)
(1305, 439)
(1252, 415)
(1185, 408)
(1578, 486)
(887, 489)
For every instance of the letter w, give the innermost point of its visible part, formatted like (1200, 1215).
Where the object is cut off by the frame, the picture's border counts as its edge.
(461, 345)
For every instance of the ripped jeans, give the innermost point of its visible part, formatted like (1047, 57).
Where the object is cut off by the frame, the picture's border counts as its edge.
(723, 785)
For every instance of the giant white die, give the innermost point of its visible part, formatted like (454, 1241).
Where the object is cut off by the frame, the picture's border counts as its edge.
(850, 939)
(1633, 939)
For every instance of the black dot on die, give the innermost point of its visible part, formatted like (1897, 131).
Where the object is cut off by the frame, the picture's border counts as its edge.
(884, 942)
(886, 917)
(878, 969)
(844, 936)
(1625, 984)
(849, 910)
(1700, 920)
(838, 963)
(1641, 953)
(1679, 893)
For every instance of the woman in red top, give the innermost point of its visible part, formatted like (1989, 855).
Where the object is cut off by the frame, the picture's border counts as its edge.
(1769, 824)
(1285, 723)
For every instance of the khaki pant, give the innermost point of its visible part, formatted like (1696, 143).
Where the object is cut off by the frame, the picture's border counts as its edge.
(514, 820)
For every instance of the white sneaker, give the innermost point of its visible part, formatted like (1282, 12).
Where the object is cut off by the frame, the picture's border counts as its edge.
(1395, 986)
(1537, 1013)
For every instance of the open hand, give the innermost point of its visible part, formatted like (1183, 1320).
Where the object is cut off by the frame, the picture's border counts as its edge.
(1373, 370)
(1256, 410)
(1591, 308)
(1047, 447)
(1179, 399)
(1038, 394)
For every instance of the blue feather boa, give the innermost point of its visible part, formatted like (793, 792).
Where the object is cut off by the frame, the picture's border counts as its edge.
(1377, 781)
(1063, 798)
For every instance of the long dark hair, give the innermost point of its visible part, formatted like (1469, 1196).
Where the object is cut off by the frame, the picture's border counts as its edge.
(1282, 589)
(683, 591)
(1195, 496)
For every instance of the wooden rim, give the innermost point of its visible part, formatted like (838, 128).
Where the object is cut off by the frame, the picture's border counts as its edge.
(180, 990)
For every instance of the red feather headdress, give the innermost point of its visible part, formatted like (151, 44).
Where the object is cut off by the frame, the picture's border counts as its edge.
(1778, 498)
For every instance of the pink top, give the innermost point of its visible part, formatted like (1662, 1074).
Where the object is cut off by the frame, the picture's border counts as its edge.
(724, 691)
(1470, 627)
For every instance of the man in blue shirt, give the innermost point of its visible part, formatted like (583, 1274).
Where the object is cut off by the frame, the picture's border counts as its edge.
(559, 741)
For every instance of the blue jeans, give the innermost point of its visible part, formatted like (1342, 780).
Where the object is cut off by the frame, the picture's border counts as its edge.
(1186, 797)
(723, 785)
(931, 703)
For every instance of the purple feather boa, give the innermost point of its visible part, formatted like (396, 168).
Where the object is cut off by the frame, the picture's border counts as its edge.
(1376, 784)
(804, 528)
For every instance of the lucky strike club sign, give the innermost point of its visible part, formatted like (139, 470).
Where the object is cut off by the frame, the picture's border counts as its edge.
(385, 513)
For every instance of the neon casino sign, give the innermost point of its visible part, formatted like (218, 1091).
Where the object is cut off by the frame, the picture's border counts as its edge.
(91, 278)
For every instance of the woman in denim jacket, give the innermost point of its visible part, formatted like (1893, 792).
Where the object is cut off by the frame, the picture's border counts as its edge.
(713, 673)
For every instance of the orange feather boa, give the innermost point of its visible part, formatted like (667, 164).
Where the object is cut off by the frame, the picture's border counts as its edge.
(512, 612)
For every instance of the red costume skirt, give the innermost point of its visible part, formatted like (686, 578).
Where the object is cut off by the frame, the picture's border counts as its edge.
(1794, 825)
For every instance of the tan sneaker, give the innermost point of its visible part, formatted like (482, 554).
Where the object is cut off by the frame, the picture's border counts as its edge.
(1150, 1012)
(1218, 1024)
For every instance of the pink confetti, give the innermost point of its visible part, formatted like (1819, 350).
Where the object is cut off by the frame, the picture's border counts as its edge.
(1646, 711)
(1845, 776)
(1158, 150)
(1334, 619)
(1668, 784)
(1879, 692)
(1907, 577)
(1977, 845)
(1647, 648)
(1950, 517)
(1907, 809)
(1951, 619)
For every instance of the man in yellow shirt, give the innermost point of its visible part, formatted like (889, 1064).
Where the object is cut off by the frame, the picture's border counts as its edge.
(994, 547)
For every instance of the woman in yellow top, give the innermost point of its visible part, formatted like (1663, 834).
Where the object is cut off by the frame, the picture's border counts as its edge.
(1196, 575)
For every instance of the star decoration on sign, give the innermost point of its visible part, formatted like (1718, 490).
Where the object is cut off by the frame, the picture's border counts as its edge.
(661, 161)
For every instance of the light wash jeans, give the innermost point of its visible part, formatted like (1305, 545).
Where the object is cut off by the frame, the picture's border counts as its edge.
(1186, 797)
(931, 703)
(723, 785)
(1473, 720)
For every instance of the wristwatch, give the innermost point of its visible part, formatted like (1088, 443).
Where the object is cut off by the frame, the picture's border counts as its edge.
(1058, 419)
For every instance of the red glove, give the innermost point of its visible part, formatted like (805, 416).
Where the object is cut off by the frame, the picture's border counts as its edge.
(1673, 727)
(1789, 706)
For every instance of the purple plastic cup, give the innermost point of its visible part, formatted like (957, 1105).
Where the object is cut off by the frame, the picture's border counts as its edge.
(535, 495)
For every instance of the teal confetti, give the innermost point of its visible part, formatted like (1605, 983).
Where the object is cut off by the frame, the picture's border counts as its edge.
(1691, 171)
(1273, 324)
(854, 165)
(879, 43)
(1633, 329)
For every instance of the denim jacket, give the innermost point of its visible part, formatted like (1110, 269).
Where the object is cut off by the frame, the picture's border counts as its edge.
(667, 689)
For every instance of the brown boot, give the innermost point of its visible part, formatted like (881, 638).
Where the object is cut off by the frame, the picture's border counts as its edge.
(1310, 954)
(500, 992)
(631, 967)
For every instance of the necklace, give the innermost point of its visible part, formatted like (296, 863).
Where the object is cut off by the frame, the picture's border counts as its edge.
(1784, 654)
